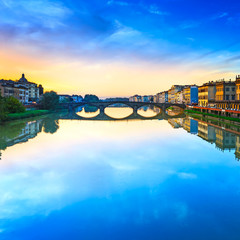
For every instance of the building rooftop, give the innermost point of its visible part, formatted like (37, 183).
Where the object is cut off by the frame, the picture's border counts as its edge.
(23, 79)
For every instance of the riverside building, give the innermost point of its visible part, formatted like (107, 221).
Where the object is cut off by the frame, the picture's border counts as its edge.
(172, 92)
(206, 94)
(190, 95)
(226, 94)
(10, 88)
(33, 90)
(21, 89)
(238, 88)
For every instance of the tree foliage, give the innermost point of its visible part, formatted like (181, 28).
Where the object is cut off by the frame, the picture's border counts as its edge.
(10, 105)
(3, 112)
(91, 98)
(50, 101)
(13, 105)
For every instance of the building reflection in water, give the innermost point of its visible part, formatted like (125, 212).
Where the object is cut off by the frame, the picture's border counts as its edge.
(224, 137)
(21, 131)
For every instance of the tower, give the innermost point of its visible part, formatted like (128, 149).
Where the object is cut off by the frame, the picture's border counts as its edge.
(23, 79)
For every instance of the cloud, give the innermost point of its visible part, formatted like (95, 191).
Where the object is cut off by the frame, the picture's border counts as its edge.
(234, 20)
(181, 211)
(5, 3)
(194, 24)
(120, 3)
(191, 39)
(232, 59)
(219, 16)
(46, 8)
(96, 32)
(189, 24)
(155, 10)
(152, 9)
(49, 14)
(187, 175)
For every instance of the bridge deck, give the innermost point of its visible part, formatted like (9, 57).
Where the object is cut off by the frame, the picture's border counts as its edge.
(134, 105)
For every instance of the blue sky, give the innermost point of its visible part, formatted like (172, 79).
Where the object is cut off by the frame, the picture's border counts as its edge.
(173, 34)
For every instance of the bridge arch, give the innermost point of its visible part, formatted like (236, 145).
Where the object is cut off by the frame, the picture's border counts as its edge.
(87, 110)
(149, 110)
(118, 110)
(179, 109)
(134, 105)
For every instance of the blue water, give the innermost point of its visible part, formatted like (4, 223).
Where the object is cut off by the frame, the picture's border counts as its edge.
(117, 180)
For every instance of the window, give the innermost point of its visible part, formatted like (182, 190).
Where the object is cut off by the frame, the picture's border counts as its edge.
(233, 97)
(233, 88)
(227, 89)
(227, 97)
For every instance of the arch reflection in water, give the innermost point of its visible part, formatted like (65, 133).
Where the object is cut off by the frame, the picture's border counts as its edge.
(87, 111)
(118, 111)
(149, 111)
(174, 111)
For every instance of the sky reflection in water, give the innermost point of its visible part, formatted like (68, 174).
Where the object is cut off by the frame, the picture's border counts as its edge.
(118, 180)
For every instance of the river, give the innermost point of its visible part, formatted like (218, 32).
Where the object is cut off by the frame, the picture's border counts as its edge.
(127, 179)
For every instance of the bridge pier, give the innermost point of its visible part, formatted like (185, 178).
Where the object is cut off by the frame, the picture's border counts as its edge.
(135, 109)
(163, 109)
(102, 109)
(70, 108)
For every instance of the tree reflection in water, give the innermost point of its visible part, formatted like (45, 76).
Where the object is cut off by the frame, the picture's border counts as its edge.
(87, 111)
(21, 131)
(50, 125)
(224, 136)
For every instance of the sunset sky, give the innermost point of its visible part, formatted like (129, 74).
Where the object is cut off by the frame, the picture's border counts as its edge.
(119, 48)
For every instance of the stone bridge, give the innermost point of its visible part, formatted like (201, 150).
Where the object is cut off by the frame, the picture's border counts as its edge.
(101, 105)
(134, 105)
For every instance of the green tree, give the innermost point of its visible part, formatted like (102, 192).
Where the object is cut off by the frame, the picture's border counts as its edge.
(91, 98)
(3, 112)
(13, 105)
(50, 101)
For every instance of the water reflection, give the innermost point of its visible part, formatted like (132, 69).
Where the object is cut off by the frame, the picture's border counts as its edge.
(149, 111)
(21, 131)
(87, 111)
(174, 111)
(223, 135)
(113, 111)
(119, 180)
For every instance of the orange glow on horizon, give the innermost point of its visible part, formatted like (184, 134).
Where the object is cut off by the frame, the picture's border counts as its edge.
(103, 79)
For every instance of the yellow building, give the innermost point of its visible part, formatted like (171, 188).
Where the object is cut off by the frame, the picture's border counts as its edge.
(237, 148)
(186, 95)
(225, 140)
(172, 96)
(206, 132)
(155, 99)
(238, 88)
(206, 93)
(225, 94)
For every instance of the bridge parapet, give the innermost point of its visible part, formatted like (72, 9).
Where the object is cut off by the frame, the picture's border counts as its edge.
(134, 105)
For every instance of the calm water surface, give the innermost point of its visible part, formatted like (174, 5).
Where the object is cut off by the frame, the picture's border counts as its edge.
(138, 179)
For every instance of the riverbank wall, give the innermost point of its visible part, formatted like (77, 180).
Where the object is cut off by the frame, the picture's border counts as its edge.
(213, 116)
